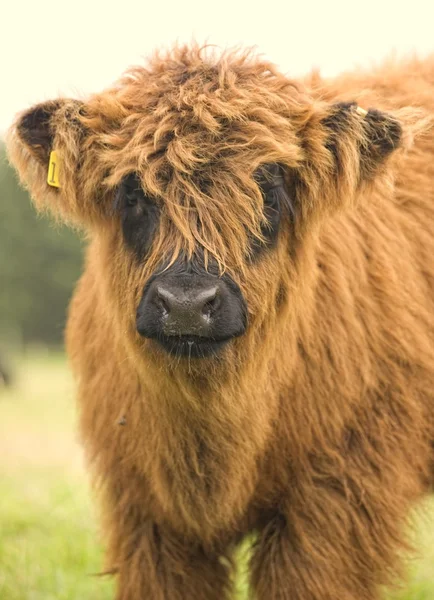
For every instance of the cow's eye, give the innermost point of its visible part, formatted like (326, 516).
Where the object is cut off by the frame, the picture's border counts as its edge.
(131, 198)
(132, 191)
(130, 195)
(272, 198)
(139, 215)
(268, 178)
(271, 182)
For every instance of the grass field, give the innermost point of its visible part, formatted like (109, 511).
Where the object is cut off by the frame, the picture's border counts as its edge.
(49, 547)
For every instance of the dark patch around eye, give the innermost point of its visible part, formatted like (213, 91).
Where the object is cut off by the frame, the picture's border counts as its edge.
(276, 201)
(139, 215)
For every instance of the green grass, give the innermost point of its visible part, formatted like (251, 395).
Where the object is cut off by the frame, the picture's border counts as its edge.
(49, 545)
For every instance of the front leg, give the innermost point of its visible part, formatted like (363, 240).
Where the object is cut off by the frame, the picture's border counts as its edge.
(162, 566)
(340, 530)
(152, 562)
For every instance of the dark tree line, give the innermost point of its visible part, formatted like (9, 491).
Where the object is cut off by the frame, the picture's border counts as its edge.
(39, 265)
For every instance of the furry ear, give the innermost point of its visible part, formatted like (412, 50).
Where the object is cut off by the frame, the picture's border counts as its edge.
(346, 149)
(54, 125)
(376, 134)
(36, 129)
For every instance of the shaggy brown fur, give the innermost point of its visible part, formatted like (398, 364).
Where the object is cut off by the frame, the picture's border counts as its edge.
(314, 429)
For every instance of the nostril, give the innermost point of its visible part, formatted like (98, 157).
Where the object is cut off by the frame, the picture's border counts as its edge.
(212, 302)
(163, 300)
(162, 303)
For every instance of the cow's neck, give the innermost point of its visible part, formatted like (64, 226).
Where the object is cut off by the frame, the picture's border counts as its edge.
(206, 442)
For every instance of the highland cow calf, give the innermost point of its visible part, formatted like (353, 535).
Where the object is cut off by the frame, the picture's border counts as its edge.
(253, 335)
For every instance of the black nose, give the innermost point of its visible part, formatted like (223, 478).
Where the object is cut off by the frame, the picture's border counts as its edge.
(191, 314)
(186, 311)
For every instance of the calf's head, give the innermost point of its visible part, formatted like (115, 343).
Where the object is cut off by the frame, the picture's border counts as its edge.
(199, 179)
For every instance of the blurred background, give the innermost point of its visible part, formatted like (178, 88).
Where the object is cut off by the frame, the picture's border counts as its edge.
(49, 544)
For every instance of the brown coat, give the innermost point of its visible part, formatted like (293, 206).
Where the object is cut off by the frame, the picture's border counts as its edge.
(315, 428)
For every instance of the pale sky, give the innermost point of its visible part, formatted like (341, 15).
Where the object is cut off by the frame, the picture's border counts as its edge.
(74, 48)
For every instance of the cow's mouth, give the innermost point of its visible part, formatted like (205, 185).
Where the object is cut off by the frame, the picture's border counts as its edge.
(191, 346)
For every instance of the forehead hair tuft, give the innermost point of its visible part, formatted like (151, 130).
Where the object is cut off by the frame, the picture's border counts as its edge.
(195, 125)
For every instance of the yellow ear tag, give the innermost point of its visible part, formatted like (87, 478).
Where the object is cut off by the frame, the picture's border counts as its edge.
(53, 170)
(361, 111)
